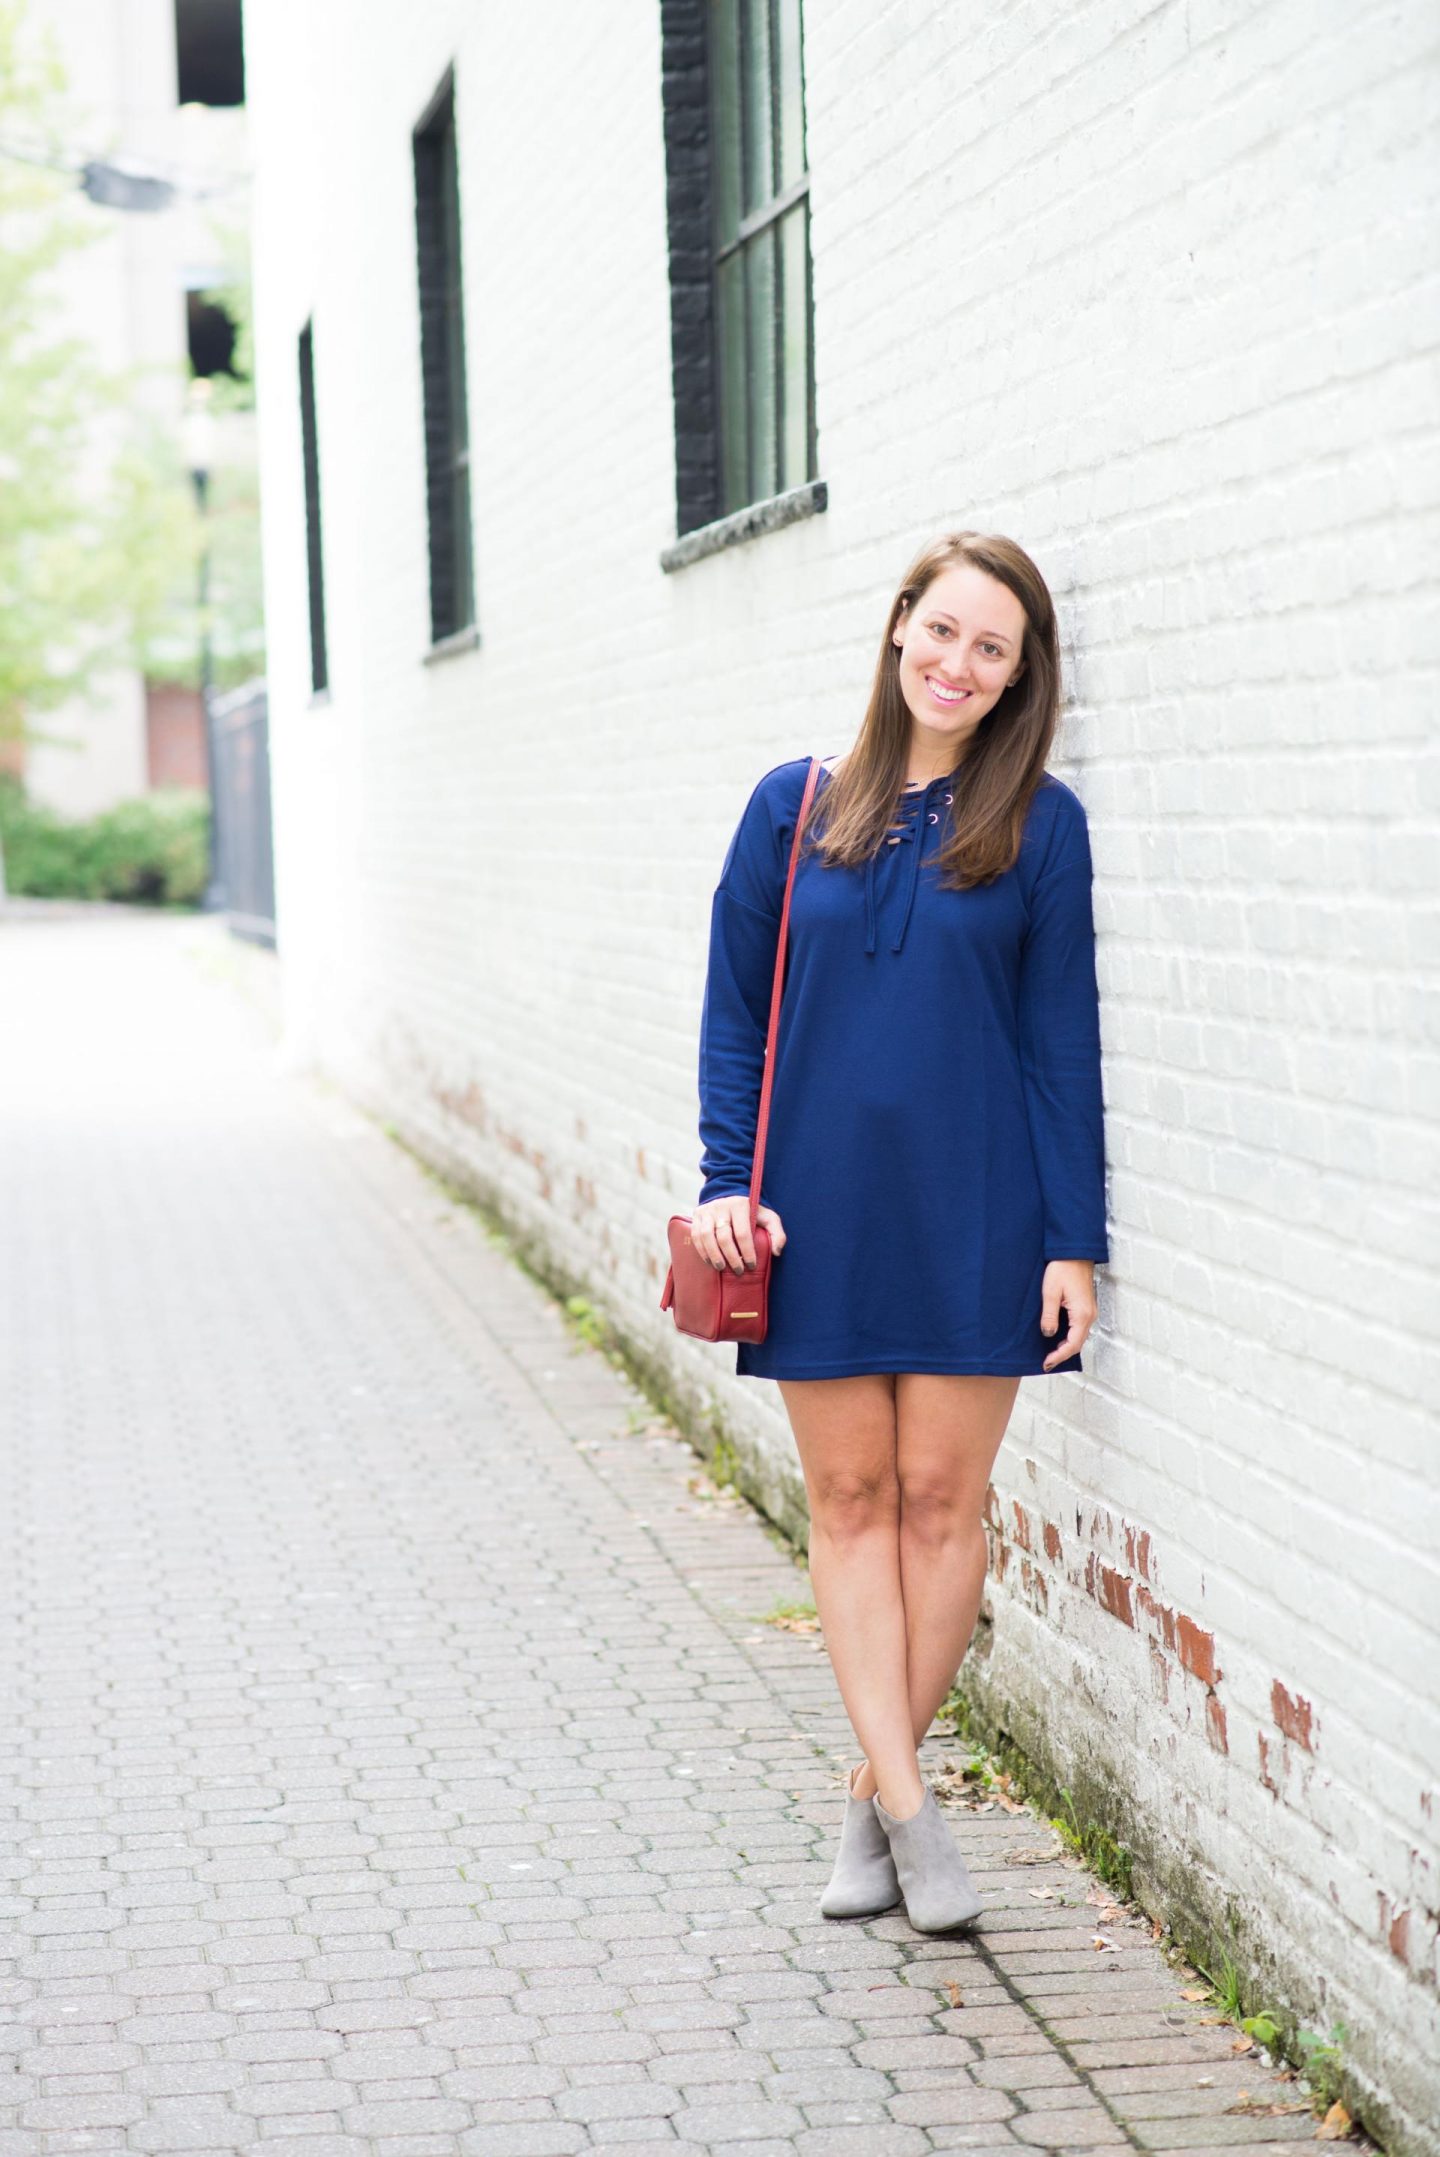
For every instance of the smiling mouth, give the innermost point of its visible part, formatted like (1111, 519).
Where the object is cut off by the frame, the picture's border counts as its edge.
(944, 695)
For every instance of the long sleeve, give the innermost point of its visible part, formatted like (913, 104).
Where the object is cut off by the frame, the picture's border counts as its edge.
(1059, 1039)
(744, 932)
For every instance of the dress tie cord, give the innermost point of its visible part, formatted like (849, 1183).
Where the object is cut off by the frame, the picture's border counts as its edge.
(911, 832)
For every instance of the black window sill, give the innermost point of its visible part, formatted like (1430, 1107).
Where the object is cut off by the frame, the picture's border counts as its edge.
(459, 640)
(747, 523)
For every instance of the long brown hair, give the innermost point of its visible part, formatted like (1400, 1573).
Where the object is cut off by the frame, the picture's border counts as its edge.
(1006, 760)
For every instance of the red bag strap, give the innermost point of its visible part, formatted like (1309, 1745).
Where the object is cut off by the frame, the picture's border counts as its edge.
(762, 1121)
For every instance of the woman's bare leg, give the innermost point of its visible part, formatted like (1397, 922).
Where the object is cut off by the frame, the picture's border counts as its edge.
(845, 1432)
(948, 1432)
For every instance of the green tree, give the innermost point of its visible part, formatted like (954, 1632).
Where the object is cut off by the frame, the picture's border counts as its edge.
(99, 536)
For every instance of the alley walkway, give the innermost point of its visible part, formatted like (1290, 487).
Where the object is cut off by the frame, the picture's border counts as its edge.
(394, 1759)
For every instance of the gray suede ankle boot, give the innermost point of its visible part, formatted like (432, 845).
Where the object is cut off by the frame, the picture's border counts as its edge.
(864, 1881)
(938, 1890)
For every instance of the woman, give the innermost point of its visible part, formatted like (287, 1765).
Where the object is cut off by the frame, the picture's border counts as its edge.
(935, 1152)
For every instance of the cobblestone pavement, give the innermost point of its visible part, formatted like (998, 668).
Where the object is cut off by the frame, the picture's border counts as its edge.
(396, 1763)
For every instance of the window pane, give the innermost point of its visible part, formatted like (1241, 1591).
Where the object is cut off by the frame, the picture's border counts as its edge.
(459, 425)
(759, 113)
(730, 352)
(790, 96)
(760, 298)
(724, 62)
(463, 611)
(462, 597)
(795, 383)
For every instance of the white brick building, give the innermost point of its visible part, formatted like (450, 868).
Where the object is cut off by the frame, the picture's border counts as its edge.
(1153, 290)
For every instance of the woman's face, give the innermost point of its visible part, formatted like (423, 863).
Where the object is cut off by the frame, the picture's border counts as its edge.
(960, 647)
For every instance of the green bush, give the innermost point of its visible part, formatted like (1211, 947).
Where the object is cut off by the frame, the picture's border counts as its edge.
(150, 852)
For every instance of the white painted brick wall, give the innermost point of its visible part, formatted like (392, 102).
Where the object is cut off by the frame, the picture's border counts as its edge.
(1153, 289)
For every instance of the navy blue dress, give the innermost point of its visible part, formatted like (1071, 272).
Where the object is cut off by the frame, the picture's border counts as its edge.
(936, 1129)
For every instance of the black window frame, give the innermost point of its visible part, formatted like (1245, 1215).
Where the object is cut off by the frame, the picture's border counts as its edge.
(440, 275)
(314, 548)
(696, 168)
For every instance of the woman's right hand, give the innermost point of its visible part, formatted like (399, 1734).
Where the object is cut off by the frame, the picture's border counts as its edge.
(720, 1232)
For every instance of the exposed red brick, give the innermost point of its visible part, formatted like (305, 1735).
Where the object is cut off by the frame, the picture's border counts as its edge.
(1115, 1595)
(467, 1103)
(1215, 1729)
(1160, 1670)
(1090, 1572)
(1142, 1553)
(514, 1143)
(1292, 1715)
(1158, 1614)
(992, 1513)
(1022, 1524)
(1054, 1550)
(1197, 1649)
(1036, 1586)
(1397, 1935)
(1265, 1776)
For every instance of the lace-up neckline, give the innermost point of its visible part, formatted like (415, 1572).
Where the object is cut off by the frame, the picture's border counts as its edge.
(916, 812)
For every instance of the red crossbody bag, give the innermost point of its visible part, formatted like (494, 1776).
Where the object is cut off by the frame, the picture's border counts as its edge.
(710, 1301)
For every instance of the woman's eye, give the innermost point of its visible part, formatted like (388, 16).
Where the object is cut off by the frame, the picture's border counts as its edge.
(942, 629)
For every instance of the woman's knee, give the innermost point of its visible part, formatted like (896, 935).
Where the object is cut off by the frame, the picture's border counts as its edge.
(935, 1508)
(846, 1503)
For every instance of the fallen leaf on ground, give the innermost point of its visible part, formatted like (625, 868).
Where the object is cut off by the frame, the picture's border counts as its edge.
(1030, 1857)
(954, 1991)
(1194, 1992)
(1100, 1941)
(1262, 2107)
(1335, 2125)
(1041, 1894)
(1242, 2044)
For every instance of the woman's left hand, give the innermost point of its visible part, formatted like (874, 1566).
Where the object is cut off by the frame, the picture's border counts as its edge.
(1070, 1281)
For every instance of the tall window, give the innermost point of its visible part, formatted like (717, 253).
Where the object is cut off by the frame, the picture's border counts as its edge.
(442, 363)
(741, 302)
(314, 558)
(761, 240)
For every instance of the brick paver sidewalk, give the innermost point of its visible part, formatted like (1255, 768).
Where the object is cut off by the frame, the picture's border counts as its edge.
(395, 1762)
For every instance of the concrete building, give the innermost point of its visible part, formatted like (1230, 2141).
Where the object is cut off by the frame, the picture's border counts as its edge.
(557, 566)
